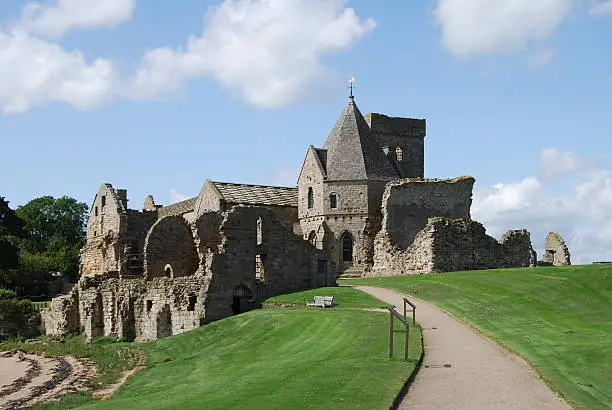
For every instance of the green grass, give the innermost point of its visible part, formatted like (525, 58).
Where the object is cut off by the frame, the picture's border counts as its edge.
(272, 359)
(558, 318)
(343, 298)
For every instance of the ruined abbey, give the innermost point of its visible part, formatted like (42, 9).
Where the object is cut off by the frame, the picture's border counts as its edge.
(362, 207)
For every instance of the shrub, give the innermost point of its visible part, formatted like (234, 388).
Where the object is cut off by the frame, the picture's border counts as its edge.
(7, 294)
(18, 318)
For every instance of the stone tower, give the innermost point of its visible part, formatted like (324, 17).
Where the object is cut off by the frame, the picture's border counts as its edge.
(340, 186)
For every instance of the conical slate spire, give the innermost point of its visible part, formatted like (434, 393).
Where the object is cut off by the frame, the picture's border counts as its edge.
(352, 152)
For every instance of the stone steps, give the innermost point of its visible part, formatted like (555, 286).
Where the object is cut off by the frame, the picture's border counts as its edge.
(351, 273)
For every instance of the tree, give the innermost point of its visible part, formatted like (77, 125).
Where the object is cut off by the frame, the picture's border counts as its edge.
(11, 227)
(54, 234)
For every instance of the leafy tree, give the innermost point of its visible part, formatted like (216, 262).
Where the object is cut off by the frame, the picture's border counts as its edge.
(11, 227)
(54, 234)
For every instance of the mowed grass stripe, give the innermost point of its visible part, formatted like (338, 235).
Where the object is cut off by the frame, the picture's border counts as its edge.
(558, 318)
(273, 359)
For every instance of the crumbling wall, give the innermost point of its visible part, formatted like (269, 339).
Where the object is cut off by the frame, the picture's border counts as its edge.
(447, 245)
(556, 252)
(408, 203)
(62, 316)
(170, 250)
(286, 261)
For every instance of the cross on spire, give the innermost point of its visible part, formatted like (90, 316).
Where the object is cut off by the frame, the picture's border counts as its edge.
(352, 82)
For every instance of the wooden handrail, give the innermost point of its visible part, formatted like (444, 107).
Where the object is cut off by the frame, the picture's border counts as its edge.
(406, 301)
(394, 313)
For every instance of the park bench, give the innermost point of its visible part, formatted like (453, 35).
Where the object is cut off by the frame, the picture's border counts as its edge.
(321, 301)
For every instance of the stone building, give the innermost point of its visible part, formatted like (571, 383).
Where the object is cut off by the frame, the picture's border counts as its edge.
(555, 251)
(362, 207)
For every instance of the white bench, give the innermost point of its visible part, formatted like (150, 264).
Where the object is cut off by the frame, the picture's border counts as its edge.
(322, 301)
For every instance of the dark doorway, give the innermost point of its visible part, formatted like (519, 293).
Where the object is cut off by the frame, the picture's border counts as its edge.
(128, 321)
(164, 322)
(321, 272)
(242, 299)
(97, 317)
(347, 248)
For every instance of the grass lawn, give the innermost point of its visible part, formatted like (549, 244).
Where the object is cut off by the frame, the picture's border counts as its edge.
(558, 318)
(270, 359)
(343, 298)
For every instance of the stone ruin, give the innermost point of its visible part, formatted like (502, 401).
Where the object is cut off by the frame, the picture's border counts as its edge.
(362, 207)
(555, 251)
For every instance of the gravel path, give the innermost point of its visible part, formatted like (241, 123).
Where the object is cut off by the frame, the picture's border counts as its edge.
(482, 375)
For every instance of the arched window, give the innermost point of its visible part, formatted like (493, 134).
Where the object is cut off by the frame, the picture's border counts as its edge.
(310, 198)
(312, 238)
(333, 201)
(347, 247)
(399, 154)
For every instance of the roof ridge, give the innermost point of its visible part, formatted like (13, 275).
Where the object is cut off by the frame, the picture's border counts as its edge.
(253, 185)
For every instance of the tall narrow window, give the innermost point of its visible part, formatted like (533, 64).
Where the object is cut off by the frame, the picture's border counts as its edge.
(103, 200)
(96, 211)
(259, 231)
(310, 198)
(399, 154)
(347, 248)
(333, 201)
(260, 267)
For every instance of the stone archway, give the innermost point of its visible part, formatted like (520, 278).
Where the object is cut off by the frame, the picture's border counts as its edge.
(346, 245)
(242, 296)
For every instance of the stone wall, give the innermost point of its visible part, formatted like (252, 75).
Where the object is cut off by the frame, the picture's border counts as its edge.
(447, 245)
(170, 250)
(556, 252)
(408, 203)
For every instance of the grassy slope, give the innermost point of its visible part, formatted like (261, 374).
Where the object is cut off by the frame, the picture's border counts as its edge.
(273, 359)
(343, 298)
(560, 319)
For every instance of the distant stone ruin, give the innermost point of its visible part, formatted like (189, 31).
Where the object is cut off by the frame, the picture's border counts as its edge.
(362, 207)
(555, 251)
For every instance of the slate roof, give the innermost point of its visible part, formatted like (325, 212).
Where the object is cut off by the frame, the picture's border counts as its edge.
(257, 194)
(353, 152)
(322, 154)
(178, 208)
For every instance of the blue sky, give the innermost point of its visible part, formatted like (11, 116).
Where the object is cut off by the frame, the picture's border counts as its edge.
(156, 97)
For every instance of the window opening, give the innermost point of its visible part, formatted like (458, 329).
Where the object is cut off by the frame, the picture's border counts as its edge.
(96, 211)
(347, 248)
(333, 201)
(259, 267)
(149, 305)
(399, 154)
(259, 231)
(310, 198)
(103, 201)
(193, 299)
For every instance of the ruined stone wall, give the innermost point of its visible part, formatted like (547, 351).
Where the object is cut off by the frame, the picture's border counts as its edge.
(287, 260)
(408, 203)
(170, 250)
(556, 252)
(447, 245)
(62, 316)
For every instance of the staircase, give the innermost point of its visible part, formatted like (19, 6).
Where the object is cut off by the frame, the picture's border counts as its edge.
(351, 273)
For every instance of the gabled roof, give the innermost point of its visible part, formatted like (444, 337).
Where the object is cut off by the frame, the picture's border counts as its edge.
(178, 208)
(257, 194)
(353, 153)
(322, 155)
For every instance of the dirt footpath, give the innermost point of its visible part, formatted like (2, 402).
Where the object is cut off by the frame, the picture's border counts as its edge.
(463, 369)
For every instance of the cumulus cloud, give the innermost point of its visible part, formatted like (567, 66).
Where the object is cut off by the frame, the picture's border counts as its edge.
(176, 196)
(582, 214)
(471, 27)
(65, 15)
(268, 51)
(555, 163)
(604, 7)
(35, 72)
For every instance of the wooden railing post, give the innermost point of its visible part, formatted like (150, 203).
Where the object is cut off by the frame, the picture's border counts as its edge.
(391, 334)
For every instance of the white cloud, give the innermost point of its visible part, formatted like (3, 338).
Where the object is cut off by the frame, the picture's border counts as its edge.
(555, 163)
(582, 214)
(35, 72)
(268, 51)
(542, 57)
(604, 7)
(65, 15)
(472, 27)
(176, 196)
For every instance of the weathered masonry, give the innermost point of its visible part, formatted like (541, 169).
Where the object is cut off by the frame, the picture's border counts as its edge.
(362, 207)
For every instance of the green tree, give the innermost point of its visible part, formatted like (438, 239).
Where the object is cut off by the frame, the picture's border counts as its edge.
(11, 227)
(54, 234)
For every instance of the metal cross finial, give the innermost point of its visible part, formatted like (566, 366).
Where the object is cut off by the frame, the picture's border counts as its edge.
(352, 82)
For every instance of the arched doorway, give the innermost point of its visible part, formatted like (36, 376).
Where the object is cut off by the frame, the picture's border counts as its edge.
(242, 299)
(346, 250)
